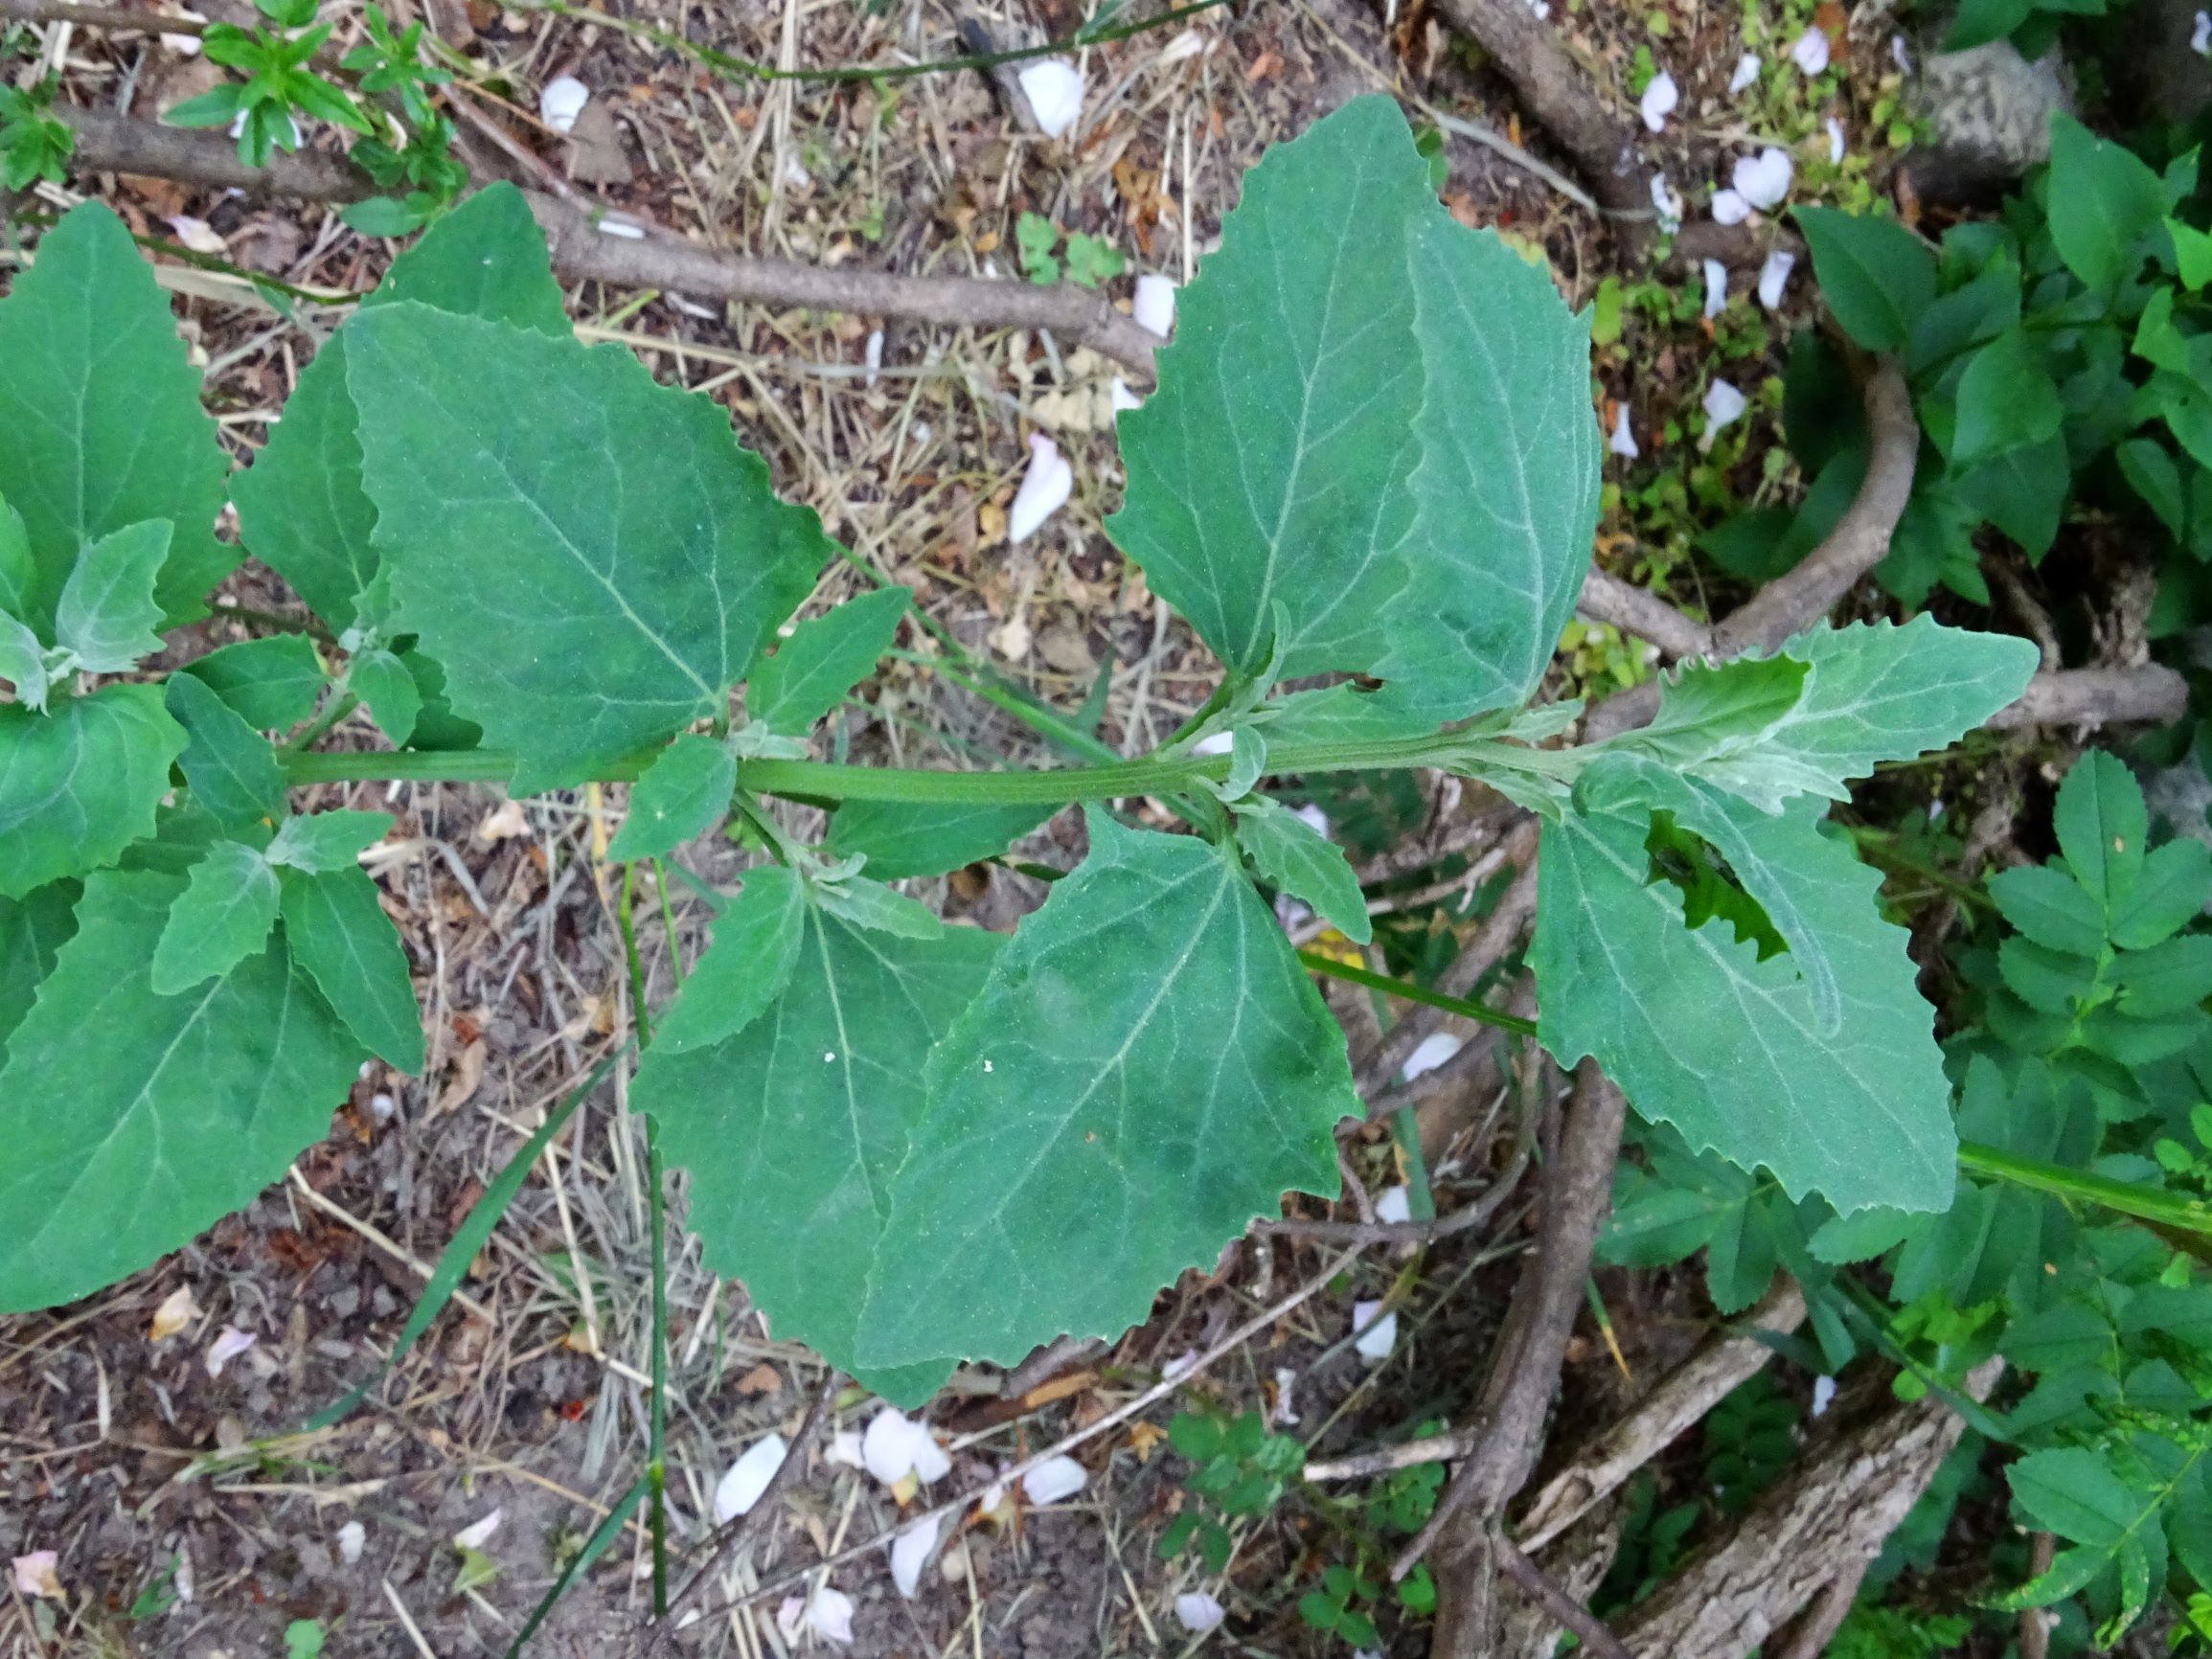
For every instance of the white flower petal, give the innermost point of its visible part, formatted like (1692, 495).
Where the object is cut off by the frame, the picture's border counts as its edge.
(1774, 277)
(1834, 139)
(1823, 1395)
(1375, 1332)
(1660, 97)
(1395, 1205)
(745, 1480)
(1215, 743)
(1121, 399)
(615, 225)
(1903, 60)
(1054, 93)
(845, 1448)
(562, 100)
(353, 1539)
(790, 1614)
(910, 1553)
(1667, 203)
(1313, 817)
(1045, 489)
(1054, 1479)
(1286, 1383)
(1716, 288)
(1746, 72)
(1197, 1612)
(1723, 405)
(1154, 305)
(1809, 51)
(1623, 441)
(228, 1343)
(477, 1533)
(36, 1575)
(1729, 208)
(830, 1616)
(1435, 1049)
(896, 1446)
(1182, 1365)
(1763, 179)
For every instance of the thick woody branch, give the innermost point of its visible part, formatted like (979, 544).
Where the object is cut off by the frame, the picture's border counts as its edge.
(1641, 612)
(586, 250)
(1821, 1525)
(2146, 696)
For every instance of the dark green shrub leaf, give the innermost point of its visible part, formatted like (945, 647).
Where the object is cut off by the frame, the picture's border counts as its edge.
(32, 928)
(2051, 908)
(186, 1104)
(2005, 399)
(1876, 276)
(2103, 200)
(1145, 1069)
(2102, 826)
(2169, 891)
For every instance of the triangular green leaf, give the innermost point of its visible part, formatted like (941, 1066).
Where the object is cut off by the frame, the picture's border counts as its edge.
(300, 508)
(592, 556)
(381, 680)
(1876, 276)
(824, 658)
(1869, 692)
(103, 415)
(796, 1125)
(107, 614)
(1506, 490)
(32, 929)
(223, 916)
(1304, 863)
(682, 794)
(340, 936)
(745, 966)
(2103, 198)
(899, 838)
(271, 683)
(79, 784)
(1270, 465)
(229, 766)
(124, 1148)
(1147, 1069)
(325, 841)
(1728, 1049)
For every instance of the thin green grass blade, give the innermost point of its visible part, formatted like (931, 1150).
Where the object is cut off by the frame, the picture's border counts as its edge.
(594, 1547)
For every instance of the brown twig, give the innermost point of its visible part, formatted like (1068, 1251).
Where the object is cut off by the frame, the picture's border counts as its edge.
(1594, 1633)
(1857, 543)
(2146, 696)
(1461, 1220)
(1578, 1191)
(584, 250)
(1639, 611)
(1553, 89)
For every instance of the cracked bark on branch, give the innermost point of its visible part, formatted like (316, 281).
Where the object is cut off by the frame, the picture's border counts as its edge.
(1554, 89)
(1822, 1524)
(583, 252)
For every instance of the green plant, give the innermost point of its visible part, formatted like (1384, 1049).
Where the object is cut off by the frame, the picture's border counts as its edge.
(33, 145)
(1241, 1471)
(303, 1639)
(279, 86)
(543, 569)
(1087, 262)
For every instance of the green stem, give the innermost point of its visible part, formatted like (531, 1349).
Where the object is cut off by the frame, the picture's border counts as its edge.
(2152, 1205)
(1399, 988)
(827, 780)
(341, 703)
(656, 1222)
